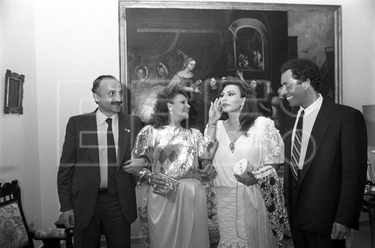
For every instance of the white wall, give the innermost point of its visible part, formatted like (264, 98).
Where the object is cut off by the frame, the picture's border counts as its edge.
(76, 41)
(61, 47)
(19, 149)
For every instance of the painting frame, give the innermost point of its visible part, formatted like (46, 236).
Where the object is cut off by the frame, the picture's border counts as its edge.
(13, 93)
(126, 5)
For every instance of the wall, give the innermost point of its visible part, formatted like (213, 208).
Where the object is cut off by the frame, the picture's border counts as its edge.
(76, 42)
(62, 47)
(19, 158)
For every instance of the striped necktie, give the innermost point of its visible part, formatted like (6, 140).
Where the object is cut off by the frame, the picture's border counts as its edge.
(296, 149)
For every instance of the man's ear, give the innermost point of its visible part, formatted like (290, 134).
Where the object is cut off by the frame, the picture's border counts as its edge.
(306, 84)
(96, 97)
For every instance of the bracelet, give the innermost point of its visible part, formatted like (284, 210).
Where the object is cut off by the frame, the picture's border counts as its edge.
(149, 178)
(146, 162)
(144, 175)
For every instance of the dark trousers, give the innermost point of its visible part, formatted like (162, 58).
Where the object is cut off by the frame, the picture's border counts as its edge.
(109, 220)
(302, 239)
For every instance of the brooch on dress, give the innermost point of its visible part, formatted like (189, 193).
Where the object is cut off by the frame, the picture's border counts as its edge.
(231, 146)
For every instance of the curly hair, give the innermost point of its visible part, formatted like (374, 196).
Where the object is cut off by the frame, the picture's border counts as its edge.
(161, 116)
(302, 70)
(250, 111)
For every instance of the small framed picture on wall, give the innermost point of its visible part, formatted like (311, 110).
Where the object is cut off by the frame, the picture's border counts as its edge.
(13, 93)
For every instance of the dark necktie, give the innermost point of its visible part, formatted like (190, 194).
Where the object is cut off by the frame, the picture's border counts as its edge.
(296, 149)
(112, 160)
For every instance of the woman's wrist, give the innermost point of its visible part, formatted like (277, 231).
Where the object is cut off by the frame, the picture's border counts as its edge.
(145, 176)
(212, 123)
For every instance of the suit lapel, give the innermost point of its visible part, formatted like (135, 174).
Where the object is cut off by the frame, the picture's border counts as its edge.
(124, 137)
(317, 134)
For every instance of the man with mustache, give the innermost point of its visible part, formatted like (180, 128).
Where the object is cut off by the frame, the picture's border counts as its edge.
(96, 195)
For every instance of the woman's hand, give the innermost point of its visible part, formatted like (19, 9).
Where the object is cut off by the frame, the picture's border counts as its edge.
(209, 171)
(215, 111)
(196, 90)
(157, 181)
(248, 180)
(240, 75)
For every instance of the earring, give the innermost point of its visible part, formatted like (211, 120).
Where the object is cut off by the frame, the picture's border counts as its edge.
(170, 110)
(242, 104)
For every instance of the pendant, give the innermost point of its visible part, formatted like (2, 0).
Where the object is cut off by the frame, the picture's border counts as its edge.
(231, 146)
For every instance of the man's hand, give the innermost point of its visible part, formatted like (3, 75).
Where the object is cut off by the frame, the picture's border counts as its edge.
(134, 166)
(340, 231)
(68, 218)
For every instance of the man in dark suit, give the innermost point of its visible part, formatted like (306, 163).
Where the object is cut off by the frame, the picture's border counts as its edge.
(325, 170)
(96, 195)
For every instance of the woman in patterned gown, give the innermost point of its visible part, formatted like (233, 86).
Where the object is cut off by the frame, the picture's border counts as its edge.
(177, 218)
(241, 204)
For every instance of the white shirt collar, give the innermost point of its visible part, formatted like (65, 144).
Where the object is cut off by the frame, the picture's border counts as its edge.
(101, 118)
(314, 106)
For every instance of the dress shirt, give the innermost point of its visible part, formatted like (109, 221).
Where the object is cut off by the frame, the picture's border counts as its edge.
(102, 127)
(311, 112)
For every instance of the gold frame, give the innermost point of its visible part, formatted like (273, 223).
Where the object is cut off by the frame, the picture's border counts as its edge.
(178, 4)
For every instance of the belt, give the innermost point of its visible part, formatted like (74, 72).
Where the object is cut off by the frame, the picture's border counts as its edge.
(103, 190)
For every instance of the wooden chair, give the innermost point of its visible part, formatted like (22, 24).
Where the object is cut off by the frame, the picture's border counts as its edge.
(14, 231)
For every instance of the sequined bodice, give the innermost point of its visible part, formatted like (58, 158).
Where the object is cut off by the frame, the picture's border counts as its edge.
(172, 151)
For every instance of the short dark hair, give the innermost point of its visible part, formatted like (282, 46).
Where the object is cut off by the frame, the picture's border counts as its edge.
(96, 83)
(249, 112)
(161, 116)
(302, 70)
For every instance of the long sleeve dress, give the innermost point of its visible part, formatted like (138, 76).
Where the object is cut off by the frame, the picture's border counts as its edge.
(174, 152)
(242, 214)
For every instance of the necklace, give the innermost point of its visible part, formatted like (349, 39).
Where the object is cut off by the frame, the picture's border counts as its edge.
(233, 134)
(231, 146)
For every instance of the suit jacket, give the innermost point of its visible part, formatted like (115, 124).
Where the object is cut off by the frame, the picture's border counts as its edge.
(79, 173)
(331, 184)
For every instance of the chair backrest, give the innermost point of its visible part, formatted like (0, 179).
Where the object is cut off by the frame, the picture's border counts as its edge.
(13, 225)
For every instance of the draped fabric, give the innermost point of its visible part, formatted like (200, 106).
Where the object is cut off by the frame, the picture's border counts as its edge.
(174, 152)
(272, 192)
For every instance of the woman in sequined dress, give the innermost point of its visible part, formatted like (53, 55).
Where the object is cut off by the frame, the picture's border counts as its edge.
(245, 134)
(171, 150)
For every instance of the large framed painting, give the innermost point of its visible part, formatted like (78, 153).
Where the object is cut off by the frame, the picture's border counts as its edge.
(159, 38)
